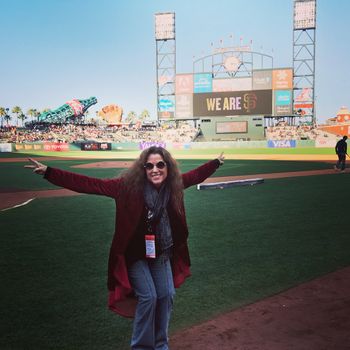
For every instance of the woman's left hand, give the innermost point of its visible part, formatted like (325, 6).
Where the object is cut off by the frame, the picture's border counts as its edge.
(221, 158)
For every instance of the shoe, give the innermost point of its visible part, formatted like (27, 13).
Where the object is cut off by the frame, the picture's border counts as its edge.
(335, 168)
(342, 171)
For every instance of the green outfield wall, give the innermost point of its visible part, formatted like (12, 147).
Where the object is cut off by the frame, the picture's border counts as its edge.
(135, 146)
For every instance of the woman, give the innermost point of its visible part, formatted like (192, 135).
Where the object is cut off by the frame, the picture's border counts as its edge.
(149, 254)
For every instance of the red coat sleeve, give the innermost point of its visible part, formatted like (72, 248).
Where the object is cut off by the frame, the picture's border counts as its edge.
(198, 175)
(81, 183)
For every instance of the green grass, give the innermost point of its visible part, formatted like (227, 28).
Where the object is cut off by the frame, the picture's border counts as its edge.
(14, 176)
(233, 151)
(260, 240)
(246, 243)
(177, 153)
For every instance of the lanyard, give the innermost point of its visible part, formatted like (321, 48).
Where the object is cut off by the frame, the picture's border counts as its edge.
(149, 217)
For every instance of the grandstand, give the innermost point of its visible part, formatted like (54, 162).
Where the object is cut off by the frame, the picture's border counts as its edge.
(72, 133)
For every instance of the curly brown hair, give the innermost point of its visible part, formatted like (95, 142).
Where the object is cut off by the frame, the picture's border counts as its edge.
(135, 177)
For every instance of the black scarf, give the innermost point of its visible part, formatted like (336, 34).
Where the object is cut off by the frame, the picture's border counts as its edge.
(157, 214)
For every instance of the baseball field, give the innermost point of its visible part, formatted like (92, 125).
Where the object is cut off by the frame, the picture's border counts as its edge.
(247, 244)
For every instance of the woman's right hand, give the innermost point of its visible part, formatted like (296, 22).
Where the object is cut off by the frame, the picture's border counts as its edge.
(37, 167)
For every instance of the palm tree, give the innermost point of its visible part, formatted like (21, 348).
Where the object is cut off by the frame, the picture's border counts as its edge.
(32, 113)
(22, 117)
(7, 117)
(17, 110)
(131, 117)
(2, 115)
(144, 115)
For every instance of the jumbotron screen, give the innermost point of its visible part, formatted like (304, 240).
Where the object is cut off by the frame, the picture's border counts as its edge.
(266, 92)
(239, 127)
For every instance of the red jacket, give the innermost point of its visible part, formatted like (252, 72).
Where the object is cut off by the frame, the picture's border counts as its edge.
(129, 208)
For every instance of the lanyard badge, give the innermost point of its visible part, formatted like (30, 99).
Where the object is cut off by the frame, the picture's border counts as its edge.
(150, 241)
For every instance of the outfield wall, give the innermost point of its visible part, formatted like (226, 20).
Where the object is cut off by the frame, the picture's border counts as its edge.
(135, 146)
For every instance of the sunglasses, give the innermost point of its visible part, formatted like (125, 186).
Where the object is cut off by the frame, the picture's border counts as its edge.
(159, 165)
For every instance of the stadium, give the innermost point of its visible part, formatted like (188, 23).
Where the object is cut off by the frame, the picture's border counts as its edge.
(267, 235)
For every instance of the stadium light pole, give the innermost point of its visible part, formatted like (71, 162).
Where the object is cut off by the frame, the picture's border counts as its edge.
(166, 64)
(304, 52)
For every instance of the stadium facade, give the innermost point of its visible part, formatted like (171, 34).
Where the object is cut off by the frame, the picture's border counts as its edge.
(234, 92)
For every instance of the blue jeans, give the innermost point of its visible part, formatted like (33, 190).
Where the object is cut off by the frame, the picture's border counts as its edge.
(152, 281)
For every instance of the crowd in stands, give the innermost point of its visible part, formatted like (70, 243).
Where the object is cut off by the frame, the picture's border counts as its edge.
(283, 131)
(182, 133)
(70, 133)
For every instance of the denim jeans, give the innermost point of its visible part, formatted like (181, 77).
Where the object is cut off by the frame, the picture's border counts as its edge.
(152, 281)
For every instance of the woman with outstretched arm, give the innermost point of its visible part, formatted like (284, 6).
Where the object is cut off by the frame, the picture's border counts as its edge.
(149, 255)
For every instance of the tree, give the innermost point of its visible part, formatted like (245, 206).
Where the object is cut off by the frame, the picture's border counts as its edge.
(7, 117)
(22, 117)
(131, 117)
(2, 115)
(144, 115)
(33, 113)
(17, 110)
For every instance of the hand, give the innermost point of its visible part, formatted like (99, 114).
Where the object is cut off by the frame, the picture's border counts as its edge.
(37, 167)
(221, 158)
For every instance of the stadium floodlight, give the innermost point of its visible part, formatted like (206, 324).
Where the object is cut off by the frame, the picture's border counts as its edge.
(165, 26)
(304, 14)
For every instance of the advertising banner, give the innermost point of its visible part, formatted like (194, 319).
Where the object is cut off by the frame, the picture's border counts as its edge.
(283, 102)
(166, 105)
(96, 146)
(164, 79)
(5, 147)
(325, 142)
(56, 147)
(232, 84)
(222, 85)
(184, 106)
(202, 82)
(148, 144)
(29, 146)
(303, 105)
(303, 95)
(232, 103)
(184, 84)
(166, 115)
(76, 106)
(282, 79)
(262, 79)
(281, 143)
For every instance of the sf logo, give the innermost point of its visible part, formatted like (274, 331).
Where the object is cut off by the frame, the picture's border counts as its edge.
(249, 102)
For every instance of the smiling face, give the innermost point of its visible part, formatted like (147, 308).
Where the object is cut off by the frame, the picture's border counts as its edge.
(155, 175)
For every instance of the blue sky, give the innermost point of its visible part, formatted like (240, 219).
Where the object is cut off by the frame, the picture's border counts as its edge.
(56, 50)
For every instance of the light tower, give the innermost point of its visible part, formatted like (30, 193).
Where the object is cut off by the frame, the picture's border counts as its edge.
(304, 43)
(166, 64)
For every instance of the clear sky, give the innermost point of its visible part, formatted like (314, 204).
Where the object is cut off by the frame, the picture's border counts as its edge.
(56, 50)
